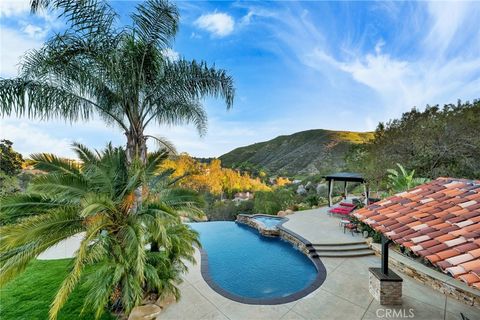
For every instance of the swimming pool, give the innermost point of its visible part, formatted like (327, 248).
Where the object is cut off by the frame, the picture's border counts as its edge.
(245, 266)
(268, 222)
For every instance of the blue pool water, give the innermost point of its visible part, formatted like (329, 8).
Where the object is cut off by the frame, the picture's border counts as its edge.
(249, 265)
(268, 222)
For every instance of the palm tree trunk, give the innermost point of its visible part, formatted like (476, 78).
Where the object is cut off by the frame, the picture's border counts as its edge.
(136, 149)
(136, 146)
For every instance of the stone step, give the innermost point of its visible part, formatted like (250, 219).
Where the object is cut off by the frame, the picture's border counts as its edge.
(342, 254)
(351, 247)
(331, 244)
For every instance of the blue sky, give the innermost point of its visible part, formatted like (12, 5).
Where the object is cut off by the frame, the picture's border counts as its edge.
(296, 66)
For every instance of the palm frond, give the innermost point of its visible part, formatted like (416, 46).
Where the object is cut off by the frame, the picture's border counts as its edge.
(164, 143)
(156, 22)
(41, 100)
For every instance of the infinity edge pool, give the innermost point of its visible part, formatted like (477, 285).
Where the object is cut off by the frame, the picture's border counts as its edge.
(317, 282)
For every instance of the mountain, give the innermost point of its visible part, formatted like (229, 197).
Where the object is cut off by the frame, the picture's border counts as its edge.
(301, 153)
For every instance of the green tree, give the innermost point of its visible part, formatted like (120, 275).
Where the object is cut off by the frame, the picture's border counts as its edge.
(270, 202)
(401, 180)
(96, 198)
(435, 142)
(10, 160)
(121, 73)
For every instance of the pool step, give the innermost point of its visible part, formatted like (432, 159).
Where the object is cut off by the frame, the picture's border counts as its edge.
(340, 250)
(337, 244)
(351, 247)
(342, 254)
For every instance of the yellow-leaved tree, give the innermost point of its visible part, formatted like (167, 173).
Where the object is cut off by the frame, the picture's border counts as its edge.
(211, 177)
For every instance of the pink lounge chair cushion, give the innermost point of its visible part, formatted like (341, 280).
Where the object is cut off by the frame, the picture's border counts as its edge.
(345, 204)
(338, 210)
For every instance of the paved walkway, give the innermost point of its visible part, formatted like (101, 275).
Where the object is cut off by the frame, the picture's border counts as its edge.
(344, 295)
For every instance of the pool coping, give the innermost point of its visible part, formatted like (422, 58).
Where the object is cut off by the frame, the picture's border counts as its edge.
(319, 279)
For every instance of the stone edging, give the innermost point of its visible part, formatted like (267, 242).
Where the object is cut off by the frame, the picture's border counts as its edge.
(264, 231)
(434, 279)
(301, 243)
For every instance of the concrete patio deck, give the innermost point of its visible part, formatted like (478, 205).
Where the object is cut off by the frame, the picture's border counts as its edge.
(318, 227)
(344, 294)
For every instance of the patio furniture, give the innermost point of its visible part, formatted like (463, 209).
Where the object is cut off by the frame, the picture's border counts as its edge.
(351, 226)
(344, 222)
(341, 210)
(345, 204)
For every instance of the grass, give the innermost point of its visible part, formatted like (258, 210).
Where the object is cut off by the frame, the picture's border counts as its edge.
(29, 295)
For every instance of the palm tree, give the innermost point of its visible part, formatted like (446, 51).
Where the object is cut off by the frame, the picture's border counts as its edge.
(402, 180)
(121, 74)
(96, 198)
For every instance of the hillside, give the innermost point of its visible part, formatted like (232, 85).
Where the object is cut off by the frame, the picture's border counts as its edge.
(305, 152)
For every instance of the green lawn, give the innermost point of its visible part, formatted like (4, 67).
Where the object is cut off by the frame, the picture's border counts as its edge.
(29, 295)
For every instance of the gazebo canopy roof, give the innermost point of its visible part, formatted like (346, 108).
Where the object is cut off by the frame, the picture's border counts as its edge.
(439, 221)
(345, 176)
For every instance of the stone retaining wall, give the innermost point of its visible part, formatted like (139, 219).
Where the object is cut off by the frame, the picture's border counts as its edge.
(434, 279)
(293, 239)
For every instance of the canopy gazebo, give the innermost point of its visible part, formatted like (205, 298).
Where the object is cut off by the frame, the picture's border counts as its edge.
(345, 177)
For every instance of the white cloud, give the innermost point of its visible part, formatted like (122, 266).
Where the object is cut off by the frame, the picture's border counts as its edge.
(217, 23)
(171, 54)
(13, 45)
(34, 31)
(29, 138)
(447, 23)
(442, 66)
(10, 8)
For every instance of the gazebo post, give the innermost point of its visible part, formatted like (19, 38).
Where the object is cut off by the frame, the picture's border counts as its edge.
(345, 188)
(330, 190)
(366, 192)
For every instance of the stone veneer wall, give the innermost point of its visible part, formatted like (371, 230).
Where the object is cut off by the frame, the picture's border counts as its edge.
(287, 235)
(432, 278)
(293, 239)
(385, 291)
(246, 219)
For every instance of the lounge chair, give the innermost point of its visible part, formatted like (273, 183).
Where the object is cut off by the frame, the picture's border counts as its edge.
(345, 204)
(342, 210)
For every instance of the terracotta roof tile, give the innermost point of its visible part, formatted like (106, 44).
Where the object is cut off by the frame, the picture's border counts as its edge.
(466, 247)
(447, 254)
(439, 221)
(470, 278)
(455, 242)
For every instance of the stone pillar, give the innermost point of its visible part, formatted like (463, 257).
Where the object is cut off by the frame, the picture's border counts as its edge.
(386, 289)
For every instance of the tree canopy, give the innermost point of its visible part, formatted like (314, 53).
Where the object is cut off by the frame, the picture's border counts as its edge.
(10, 160)
(211, 177)
(120, 72)
(434, 142)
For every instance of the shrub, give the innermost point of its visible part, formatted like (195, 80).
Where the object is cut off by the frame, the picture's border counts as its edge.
(376, 236)
(270, 202)
(312, 200)
(228, 210)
